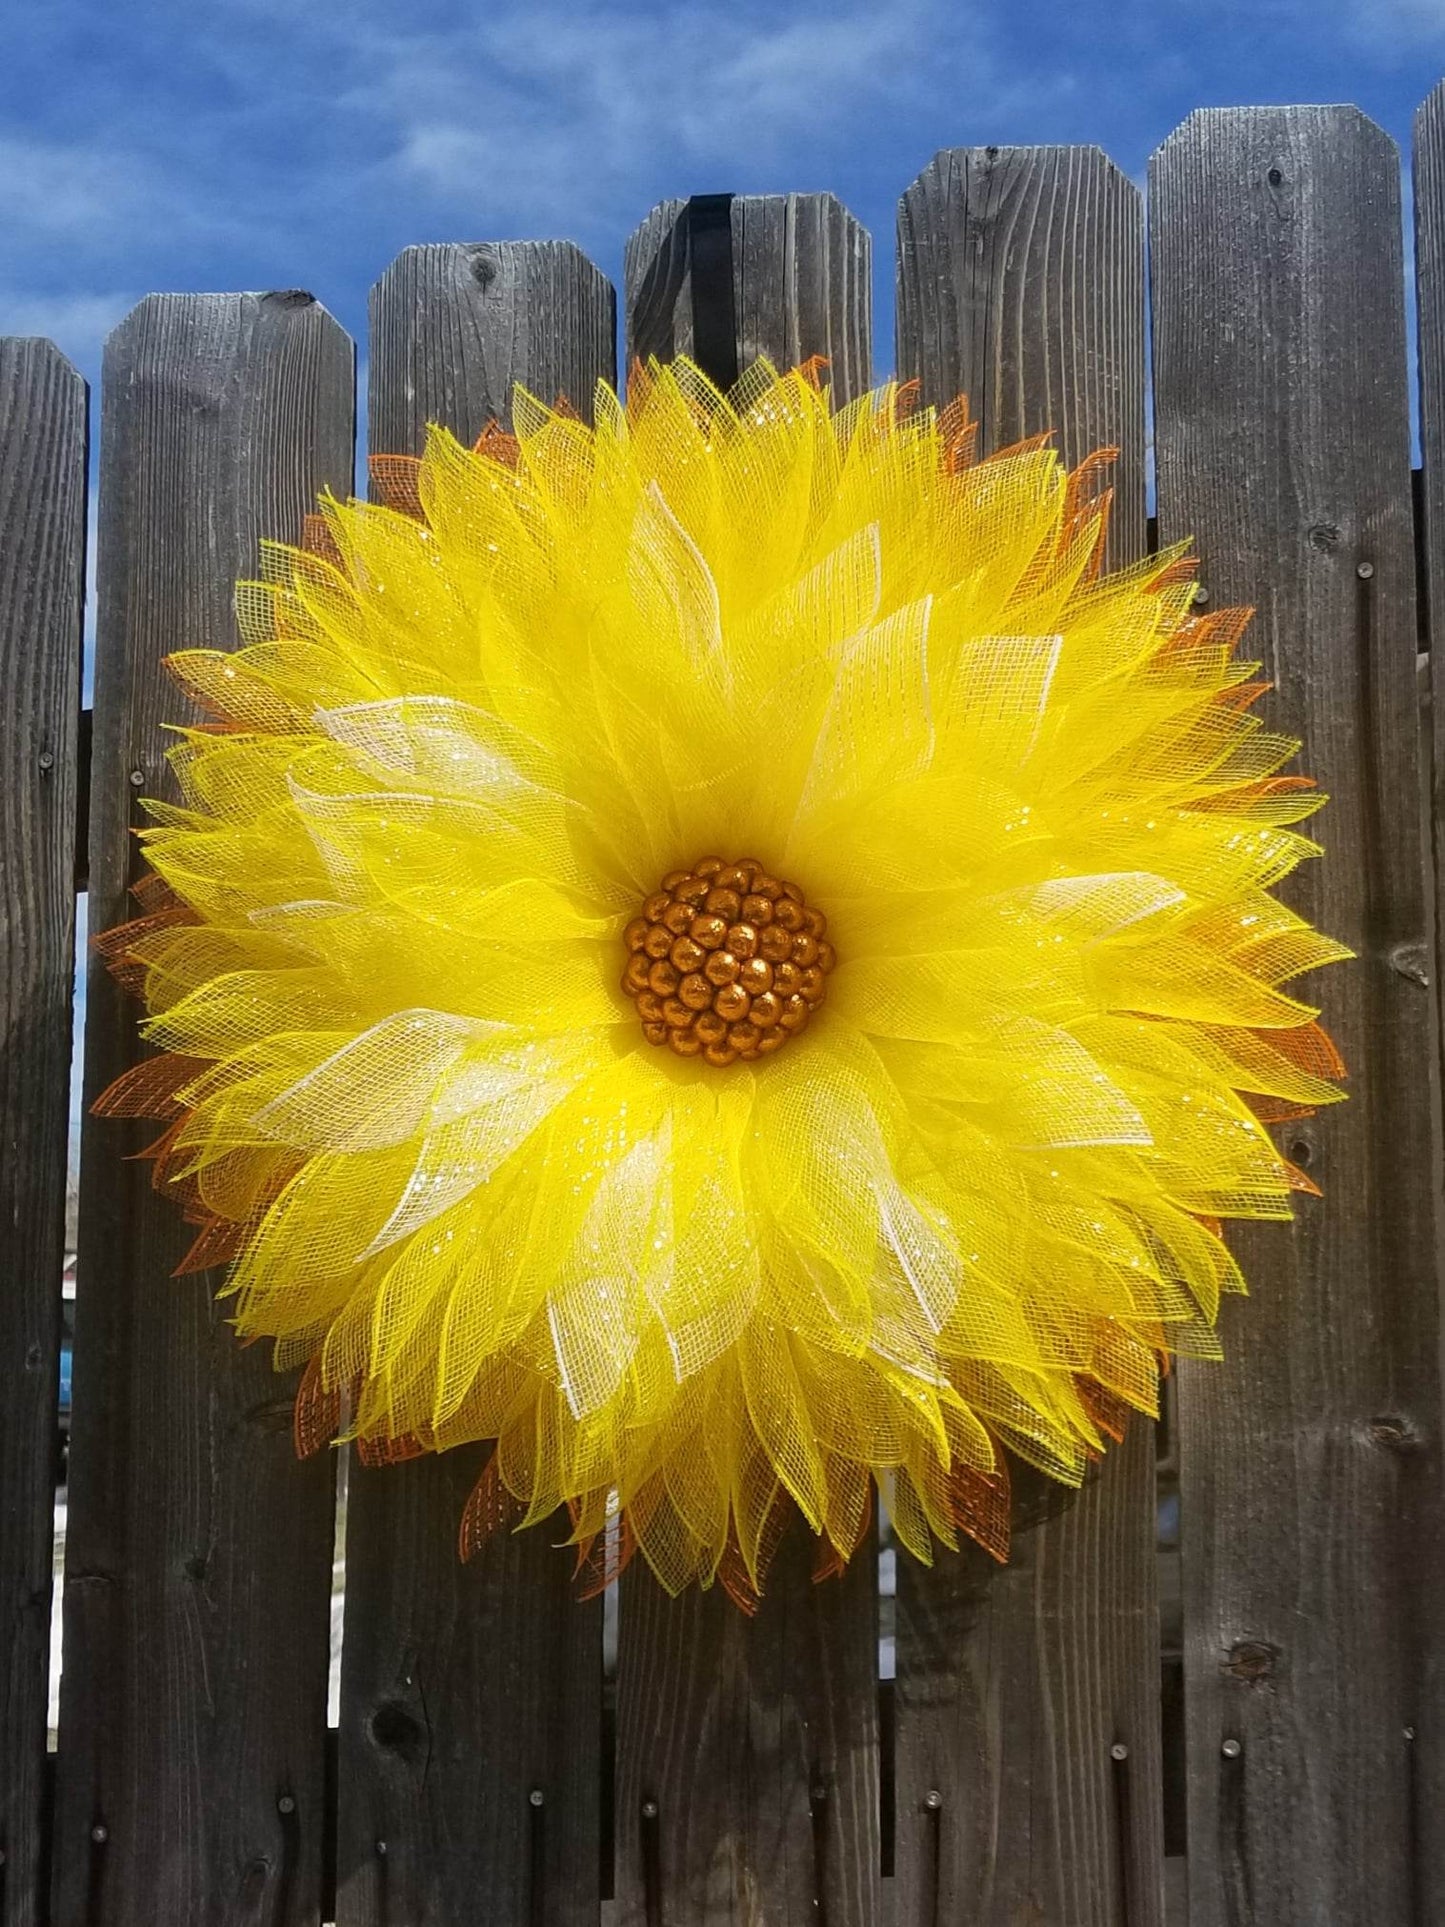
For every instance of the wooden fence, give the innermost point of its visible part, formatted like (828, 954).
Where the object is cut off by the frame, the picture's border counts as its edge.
(1033, 1758)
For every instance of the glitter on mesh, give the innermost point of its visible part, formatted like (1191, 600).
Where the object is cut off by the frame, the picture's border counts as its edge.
(968, 1214)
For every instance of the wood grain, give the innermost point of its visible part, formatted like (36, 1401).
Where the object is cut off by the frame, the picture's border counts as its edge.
(198, 1556)
(756, 1740)
(43, 415)
(453, 326)
(747, 1770)
(1309, 1461)
(471, 1713)
(1021, 284)
(802, 285)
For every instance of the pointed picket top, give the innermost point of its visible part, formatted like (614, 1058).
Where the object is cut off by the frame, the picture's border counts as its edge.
(454, 325)
(1021, 285)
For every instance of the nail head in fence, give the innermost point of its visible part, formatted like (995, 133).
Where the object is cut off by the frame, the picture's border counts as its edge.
(222, 417)
(746, 1715)
(1281, 405)
(42, 588)
(465, 1687)
(1021, 284)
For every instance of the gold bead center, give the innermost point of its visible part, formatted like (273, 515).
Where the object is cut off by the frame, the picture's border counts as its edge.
(726, 962)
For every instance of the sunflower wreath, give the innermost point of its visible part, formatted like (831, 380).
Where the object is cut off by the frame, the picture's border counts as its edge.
(722, 952)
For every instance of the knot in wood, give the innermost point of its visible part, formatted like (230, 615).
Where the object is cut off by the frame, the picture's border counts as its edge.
(1409, 960)
(1395, 1432)
(1252, 1660)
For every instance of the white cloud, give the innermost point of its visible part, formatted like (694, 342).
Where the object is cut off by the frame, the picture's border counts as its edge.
(106, 196)
(561, 113)
(1384, 32)
(78, 324)
(67, 192)
(552, 118)
(556, 118)
(1395, 27)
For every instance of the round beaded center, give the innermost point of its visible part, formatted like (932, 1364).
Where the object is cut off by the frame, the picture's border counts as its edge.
(726, 962)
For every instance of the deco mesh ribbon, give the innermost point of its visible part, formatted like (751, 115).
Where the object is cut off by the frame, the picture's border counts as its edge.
(722, 952)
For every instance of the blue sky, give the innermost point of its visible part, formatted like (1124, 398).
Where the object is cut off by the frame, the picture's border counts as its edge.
(262, 143)
(146, 144)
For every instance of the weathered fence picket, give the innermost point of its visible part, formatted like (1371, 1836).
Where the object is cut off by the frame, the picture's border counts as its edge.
(1309, 1458)
(1021, 284)
(470, 1695)
(42, 589)
(751, 1771)
(1428, 1745)
(747, 1751)
(198, 1553)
